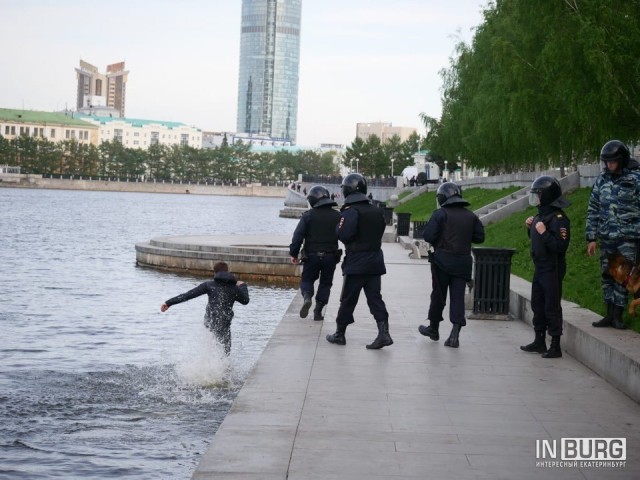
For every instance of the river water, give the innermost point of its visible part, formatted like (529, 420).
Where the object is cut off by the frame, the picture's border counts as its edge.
(95, 382)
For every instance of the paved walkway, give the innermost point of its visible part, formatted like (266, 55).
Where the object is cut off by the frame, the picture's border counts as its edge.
(416, 410)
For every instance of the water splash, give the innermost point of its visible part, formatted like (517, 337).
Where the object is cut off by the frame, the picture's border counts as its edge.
(203, 361)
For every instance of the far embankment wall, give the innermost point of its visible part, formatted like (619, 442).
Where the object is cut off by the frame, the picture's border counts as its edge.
(36, 181)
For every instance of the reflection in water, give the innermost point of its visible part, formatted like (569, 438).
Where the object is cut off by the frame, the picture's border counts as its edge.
(95, 382)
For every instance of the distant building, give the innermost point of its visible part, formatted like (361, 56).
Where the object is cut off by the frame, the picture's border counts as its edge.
(269, 65)
(216, 139)
(136, 133)
(55, 127)
(101, 93)
(383, 130)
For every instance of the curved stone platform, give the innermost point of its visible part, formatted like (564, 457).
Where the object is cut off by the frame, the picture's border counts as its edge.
(260, 257)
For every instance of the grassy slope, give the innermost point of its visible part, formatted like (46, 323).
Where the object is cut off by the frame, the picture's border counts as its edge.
(582, 282)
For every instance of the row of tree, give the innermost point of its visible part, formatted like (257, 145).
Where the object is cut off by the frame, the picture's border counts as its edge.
(227, 163)
(541, 83)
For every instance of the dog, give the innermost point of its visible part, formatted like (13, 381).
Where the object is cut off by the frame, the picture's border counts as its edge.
(626, 274)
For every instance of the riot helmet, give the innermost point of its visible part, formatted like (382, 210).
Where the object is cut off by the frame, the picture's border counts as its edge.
(449, 193)
(317, 193)
(354, 182)
(546, 190)
(615, 150)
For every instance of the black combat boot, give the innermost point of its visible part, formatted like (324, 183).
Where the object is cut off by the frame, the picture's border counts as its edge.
(539, 345)
(607, 319)
(616, 320)
(304, 311)
(338, 337)
(431, 331)
(453, 341)
(383, 339)
(554, 349)
(317, 312)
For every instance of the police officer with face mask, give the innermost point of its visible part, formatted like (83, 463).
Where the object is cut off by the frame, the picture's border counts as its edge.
(613, 218)
(317, 230)
(451, 230)
(549, 231)
(361, 228)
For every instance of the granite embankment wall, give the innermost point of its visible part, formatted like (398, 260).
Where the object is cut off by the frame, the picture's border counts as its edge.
(37, 181)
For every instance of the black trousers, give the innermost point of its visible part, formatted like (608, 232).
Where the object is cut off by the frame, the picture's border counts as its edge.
(441, 283)
(351, 288)
(315, 266)
(546, 295)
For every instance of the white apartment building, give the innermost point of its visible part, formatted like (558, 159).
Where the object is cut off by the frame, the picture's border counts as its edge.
(383, 130)
(136, 133)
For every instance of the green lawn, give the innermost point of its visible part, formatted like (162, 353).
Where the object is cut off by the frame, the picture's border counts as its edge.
(582, 282)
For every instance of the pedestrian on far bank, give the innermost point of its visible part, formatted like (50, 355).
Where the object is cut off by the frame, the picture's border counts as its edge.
(316, 236)
(223, 291)
(451, 230)
(360, 229)
(549, 232)
(613, 218)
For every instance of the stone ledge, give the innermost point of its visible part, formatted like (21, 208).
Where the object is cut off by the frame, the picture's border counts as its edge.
(612, 354)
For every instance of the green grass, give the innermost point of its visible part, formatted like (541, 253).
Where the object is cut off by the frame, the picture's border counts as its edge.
(582, 281)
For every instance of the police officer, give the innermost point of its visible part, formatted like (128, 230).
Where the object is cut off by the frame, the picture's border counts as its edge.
(361, 228)
(451, 230)
(613, 217)
(317, 230)
(549, 231)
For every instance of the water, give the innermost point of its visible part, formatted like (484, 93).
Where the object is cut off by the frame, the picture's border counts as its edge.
(95, 382)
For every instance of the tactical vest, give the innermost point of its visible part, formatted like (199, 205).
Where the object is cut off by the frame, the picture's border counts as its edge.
(321, 235)
(457, 232)
(371, 227)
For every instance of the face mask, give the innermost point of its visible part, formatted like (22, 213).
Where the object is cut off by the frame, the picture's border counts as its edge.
(534, 199)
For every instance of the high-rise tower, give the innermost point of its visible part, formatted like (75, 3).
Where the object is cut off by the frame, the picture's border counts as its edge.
(97, 89)
(269, 64)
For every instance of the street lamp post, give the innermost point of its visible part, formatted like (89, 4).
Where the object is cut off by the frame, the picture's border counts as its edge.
(445, 169)
(357, 164)
(351, 166)
(392, 160)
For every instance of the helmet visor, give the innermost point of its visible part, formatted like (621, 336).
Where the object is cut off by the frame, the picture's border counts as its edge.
(534, 198)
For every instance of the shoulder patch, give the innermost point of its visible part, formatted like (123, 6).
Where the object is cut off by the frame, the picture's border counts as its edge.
(341, 222)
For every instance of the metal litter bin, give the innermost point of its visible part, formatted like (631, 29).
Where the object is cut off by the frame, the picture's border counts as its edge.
(418, 228)
(404, 221)
(492, 270)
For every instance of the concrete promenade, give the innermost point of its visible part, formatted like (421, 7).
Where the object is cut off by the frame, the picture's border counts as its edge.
(417, 409)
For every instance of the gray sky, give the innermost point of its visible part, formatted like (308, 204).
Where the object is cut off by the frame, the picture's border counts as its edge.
(360, 60)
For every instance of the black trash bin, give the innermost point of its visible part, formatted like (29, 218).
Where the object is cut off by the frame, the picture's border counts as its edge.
(492, 270)
(404, 220)
(418, 228)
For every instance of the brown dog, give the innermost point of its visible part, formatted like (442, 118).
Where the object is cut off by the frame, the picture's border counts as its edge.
(626, 274)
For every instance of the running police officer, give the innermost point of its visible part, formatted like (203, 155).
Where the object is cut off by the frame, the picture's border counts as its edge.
(613, 217)
(451, 230)
(317, 230)
(549, 231)
(361, 228)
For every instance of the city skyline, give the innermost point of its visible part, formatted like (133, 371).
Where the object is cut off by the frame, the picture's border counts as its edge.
(359, 61)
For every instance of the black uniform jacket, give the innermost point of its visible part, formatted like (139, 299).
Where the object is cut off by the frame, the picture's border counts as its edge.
(361, 228)
(317, 229)
(548, 249)
(451, 230)
(223, 293)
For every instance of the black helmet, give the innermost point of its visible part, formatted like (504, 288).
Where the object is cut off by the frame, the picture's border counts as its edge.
(354, 182)
(546, 190)
(615, 150)
(316, 193)
(449, 193)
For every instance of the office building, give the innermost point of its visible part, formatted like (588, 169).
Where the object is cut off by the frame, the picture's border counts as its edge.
(383, 130)
(101, 93)
(269, 64)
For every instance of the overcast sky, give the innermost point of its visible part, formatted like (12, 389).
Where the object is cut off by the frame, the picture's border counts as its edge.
(360, 60)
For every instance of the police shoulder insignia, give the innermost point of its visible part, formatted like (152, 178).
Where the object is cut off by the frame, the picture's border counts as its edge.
(341, 222)
(563, 233)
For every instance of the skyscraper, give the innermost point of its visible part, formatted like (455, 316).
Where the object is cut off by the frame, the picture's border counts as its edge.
(269, 64)
(97, 89)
